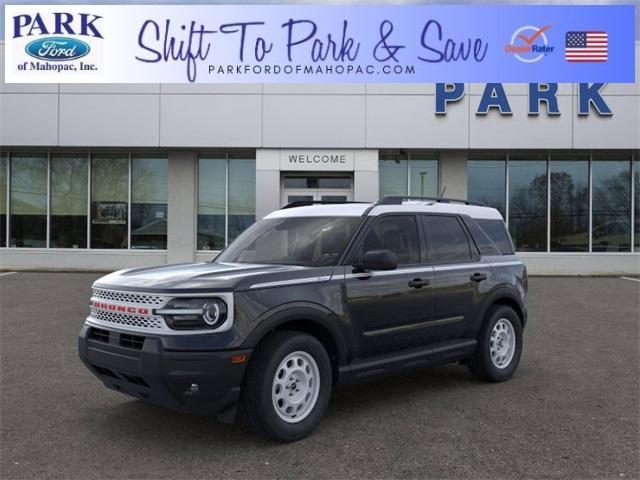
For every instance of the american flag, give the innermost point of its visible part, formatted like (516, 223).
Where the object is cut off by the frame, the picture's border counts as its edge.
(586, 47)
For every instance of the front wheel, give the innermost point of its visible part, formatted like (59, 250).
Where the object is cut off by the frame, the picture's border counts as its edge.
(499, 345)
(287, 386)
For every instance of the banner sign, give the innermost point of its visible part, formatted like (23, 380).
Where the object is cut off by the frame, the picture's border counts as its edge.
(324, 44)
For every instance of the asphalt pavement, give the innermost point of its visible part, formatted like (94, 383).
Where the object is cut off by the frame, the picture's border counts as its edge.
(571, 411)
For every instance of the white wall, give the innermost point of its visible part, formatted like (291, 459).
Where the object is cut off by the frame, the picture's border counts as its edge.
(303, 116)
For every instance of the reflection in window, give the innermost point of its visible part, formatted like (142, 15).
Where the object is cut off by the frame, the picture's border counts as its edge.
(242, 195)
(149, 195)
(636, 189)
(413, 174)
(393, 174)
(212, 174)
(28, 201)
(69, 201)
(398, 234)
(528, 202)
(446, 239)
(569, 203)
(109, 197)
(3, 200)
(611, 230)
(486, 183)
(423, 175)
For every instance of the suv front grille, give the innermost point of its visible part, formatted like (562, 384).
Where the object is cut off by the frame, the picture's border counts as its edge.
(99, 335)
(125, 297)
(123, 319)
(131, 341)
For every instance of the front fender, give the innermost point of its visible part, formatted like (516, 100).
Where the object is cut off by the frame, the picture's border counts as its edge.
(314, 313)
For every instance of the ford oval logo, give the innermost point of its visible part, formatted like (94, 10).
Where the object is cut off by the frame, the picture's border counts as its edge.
(57, 49)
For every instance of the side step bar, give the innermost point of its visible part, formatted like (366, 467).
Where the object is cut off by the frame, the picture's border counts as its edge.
(406, 360)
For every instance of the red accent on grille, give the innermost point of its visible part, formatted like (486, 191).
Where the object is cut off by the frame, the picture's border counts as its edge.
(120, 308)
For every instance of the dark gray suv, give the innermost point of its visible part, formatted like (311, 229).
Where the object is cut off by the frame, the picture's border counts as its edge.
(309, 297)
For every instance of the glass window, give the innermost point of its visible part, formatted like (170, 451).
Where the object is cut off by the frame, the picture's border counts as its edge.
(415, 172)
(109, 197)
(317, 182)
(498, 234)
(480, 237)
(569, 203)
(69, 179)
(636, 189)
(393, 174)
(3, 200)
(446, 240)
(397, 233)
(242, 195)
(486, 183)
(149, 194)
(334, 182)
(307, 241)
(611, 214)
(423, 174)
(297, 182)
(212, 174)
(528, 202)
(28, 201)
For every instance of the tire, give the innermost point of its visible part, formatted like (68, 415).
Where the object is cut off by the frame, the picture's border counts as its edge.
(285, 409)
(494, 361)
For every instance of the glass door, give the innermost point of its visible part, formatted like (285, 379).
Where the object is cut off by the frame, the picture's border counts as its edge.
(297, 188)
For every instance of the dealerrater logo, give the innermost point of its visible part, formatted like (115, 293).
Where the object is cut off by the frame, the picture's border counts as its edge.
(57, 40)
(529, 44)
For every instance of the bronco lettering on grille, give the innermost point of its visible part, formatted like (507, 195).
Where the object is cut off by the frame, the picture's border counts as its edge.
(119, 308)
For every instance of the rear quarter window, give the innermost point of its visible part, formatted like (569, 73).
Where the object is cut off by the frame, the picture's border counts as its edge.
(496, 230)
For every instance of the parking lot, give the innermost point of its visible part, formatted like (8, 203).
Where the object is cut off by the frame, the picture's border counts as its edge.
(571, 411)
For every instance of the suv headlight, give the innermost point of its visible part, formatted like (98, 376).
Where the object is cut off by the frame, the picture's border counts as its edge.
(194, 313)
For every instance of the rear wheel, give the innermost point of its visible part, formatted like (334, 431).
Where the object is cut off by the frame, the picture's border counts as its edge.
(287, 386)
(499, 345)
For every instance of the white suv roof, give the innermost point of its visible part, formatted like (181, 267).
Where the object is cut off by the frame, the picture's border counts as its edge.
(358, 209)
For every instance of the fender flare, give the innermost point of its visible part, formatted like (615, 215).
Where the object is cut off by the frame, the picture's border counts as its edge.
(504, 293)
(300, 311)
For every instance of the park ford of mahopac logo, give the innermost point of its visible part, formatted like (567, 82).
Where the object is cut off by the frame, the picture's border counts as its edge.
(56, 40)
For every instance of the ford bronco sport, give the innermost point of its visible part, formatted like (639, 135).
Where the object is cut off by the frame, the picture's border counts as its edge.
(309, 297)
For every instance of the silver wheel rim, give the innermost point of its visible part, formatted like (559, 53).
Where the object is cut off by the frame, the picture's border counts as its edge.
(503, 343)
(296, 386)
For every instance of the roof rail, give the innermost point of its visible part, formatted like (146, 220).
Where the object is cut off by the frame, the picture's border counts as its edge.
(398, 199)
(306, 203)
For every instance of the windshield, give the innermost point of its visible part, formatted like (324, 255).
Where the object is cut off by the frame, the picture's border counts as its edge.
(305, 241)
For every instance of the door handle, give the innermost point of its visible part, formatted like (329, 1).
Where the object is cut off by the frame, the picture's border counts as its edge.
(418, 283)
(478, 277)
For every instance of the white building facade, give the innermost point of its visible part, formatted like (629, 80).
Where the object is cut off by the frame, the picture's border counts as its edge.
(109, 176)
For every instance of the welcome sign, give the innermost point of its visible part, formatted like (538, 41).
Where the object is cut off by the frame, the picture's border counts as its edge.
(327, 44)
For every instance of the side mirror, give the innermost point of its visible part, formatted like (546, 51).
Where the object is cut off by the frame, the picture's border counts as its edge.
(377, 260)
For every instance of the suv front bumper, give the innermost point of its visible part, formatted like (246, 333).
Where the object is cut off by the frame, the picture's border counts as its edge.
(201, 382)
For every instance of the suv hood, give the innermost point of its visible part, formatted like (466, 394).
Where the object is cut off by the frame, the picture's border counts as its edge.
(197, 277)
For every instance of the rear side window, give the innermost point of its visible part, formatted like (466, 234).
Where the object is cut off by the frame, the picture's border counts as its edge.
(497, 232)
(446, 240)
(398, 233)
(484, 243)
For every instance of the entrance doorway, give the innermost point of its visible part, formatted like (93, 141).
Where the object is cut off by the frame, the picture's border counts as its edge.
(334, 188)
